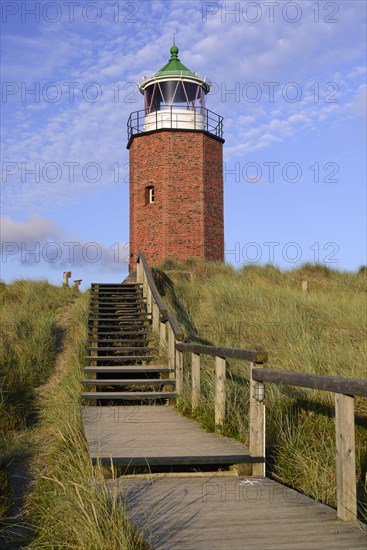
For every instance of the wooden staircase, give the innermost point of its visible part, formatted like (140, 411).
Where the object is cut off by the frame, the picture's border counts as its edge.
(121, 354)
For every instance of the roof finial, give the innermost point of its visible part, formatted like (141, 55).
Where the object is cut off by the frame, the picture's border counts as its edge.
(174, 49)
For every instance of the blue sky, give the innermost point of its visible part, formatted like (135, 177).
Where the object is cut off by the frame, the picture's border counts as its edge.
(289, 78)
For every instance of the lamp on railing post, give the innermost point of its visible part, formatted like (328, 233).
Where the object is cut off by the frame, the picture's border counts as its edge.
(259, 392)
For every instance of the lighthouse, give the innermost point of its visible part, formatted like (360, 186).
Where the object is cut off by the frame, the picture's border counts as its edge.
(176, 168)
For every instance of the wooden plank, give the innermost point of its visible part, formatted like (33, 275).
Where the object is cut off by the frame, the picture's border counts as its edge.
(347, 386)
(195, 380)
(220, 390)
(156, 435)
(114, 358)
(228, 353)
(121, 348)
(257, 424)
(129, 396)
(130, 382)
(127, 368)
(345, 458)
(230, 512)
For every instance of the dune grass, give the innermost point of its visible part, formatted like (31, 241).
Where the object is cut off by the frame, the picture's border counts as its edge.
(28, 344)
(44, 333)
(70, 505)
(322, 331)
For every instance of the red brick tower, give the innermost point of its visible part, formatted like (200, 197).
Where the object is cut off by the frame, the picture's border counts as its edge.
(176, 169)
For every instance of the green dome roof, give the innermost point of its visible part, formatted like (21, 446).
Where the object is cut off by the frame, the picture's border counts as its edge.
(174, 66)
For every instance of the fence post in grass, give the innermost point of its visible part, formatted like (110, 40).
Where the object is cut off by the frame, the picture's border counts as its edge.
(179, 372)
(257, 422)
(220, 390)
(67, 275)
(345, 458)
(195, 380)
(304, 286)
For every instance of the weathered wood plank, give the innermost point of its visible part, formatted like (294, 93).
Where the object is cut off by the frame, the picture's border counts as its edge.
(347, 386)
(231, 512)
(156, 435)
(228, 353)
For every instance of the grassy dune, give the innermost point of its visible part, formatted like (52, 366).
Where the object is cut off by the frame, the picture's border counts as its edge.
(28, 348)
(41, 362)
(322, 331)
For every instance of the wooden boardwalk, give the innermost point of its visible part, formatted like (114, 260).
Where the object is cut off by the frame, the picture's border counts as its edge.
(128, 421)
(222, 512)
(155, 436)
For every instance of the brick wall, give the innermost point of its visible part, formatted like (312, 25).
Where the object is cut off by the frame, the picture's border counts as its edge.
(186, 218)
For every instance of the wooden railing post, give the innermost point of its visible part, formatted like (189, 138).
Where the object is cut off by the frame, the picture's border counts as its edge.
(155, 316)
(171, 348)
(345, 458)
(179, 372)
(149, 298)
(162, 333)
(139, 272)
(195, 380)
(257, 424)
(220, 390)
(171, 356)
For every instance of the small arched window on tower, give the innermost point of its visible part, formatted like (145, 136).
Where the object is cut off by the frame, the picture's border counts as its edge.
(149, 195)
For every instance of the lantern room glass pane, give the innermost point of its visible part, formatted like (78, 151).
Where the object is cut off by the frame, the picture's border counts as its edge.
(174, 93)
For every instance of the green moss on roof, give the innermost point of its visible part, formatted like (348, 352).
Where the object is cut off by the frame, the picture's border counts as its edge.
(174, 65)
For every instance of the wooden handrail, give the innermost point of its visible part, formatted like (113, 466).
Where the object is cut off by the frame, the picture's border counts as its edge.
(346, 386)
(228, 353)
(172, 320)
(157, 297)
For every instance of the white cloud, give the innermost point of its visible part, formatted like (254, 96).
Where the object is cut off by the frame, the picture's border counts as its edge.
(39, 241)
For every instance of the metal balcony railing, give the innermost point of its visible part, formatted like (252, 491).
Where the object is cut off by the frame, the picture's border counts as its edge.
(175, 117)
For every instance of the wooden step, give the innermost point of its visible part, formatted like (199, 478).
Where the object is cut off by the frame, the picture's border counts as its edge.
(127, 348)
(129, 396)
(118, 333)
(121, 308)
(96, 315)
(129, 368)
(132, 382)
(120, 340)
(121, 358)
(114, 326)
(119, 320)
(114, 297)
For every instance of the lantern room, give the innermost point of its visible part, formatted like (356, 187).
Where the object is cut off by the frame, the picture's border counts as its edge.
(174, 97)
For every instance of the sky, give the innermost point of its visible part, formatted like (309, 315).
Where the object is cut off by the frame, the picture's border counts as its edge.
(289, 78)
